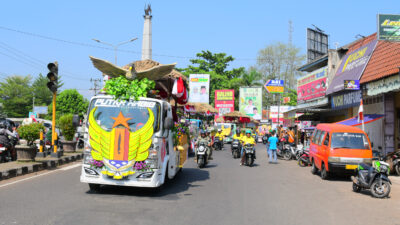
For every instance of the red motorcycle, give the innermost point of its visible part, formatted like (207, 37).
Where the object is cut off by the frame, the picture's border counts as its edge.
(304, 159)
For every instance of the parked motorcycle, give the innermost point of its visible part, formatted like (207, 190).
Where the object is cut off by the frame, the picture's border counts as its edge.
(304, 159)
(396, 162)
(249, 152)
(373, 177)
(284, 151)
(236, 146)
(201, 154)
(217, 143)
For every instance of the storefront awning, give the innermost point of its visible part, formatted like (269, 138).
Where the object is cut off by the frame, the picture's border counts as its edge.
(368, 118)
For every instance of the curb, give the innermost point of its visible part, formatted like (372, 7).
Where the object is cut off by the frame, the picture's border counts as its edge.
(38, 165)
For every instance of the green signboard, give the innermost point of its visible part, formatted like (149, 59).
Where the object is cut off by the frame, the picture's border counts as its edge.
(251, 101)
(389, 27)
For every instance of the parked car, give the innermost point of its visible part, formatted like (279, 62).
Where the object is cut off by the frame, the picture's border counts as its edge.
(338, 148)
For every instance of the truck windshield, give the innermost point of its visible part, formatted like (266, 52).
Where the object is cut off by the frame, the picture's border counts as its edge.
(137, 111)
(349, 140)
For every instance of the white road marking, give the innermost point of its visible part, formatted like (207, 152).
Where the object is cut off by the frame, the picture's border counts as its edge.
(71, 167)
(42, 174)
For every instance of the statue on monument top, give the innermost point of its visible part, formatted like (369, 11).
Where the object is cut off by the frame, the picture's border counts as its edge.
(147, 11)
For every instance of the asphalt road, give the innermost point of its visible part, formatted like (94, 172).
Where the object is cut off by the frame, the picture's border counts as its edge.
(222, 193)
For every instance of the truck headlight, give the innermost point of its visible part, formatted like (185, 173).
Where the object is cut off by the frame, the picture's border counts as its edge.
(87, 157)
(152, 160)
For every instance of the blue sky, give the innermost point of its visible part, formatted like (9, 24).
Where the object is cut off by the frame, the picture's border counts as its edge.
(180, 30)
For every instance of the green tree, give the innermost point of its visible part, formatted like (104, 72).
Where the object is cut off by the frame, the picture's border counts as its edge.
(69, 101)
(16, 96)
(215, 64)
(42, 94)
(292, 94)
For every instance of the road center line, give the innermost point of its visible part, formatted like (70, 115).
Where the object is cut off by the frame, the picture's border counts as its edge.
(46, 173)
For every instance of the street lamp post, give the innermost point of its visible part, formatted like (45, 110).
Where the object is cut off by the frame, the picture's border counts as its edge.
(115, 46)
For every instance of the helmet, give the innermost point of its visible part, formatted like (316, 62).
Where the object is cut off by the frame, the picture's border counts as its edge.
(202, 132)
(237, 131)
(219, 130)
(2, 126)
(248, 132)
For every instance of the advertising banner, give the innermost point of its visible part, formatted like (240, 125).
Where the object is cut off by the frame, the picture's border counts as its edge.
(351, 84)
(347, 100)
(273, 114)
(40, 109)
(389, 27)
(352, 66)
(199, 85)
(312, 85)
(274, 86)
(251, 101)
(224, 102)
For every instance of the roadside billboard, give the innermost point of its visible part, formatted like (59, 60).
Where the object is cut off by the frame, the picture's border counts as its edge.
(199, 85)
(312, 85)
(251, 101)
(352, 66)
(388, 27)
(224, 101)
(274, 86)
(274, 110)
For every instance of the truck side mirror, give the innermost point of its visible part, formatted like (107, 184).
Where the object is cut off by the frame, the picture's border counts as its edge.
(75, 120)
(168, 123)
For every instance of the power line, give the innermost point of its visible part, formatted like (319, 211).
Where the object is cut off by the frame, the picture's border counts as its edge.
(104, 48)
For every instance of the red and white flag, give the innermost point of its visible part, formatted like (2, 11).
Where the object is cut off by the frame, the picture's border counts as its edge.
(361, 112)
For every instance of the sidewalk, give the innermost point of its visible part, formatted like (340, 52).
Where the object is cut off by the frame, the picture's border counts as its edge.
(13, 169)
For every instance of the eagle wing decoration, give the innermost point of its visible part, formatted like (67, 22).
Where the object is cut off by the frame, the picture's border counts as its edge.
(156, 72)
(99, 139)
(108, 68)
(140, 141)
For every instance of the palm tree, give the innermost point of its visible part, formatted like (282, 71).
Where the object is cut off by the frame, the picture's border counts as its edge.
(251, 78)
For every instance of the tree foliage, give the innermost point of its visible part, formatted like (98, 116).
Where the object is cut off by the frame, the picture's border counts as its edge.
(16, 96)
(280, 61)
(216, 64)
(69, 101)
(43, 96)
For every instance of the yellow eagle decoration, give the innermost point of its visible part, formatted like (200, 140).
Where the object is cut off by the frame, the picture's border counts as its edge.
(120, 148)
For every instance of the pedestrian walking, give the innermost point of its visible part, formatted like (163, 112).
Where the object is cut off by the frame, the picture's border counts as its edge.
(272, 142)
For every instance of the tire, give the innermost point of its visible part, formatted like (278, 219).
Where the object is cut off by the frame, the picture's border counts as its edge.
(287, 155)
(249, 161)
(379, 193)
(236, 154)
(397, 169)
(94, 187)
(356, 188)
(200, 162)
(314, 169)
(301, 163)
(324, 173)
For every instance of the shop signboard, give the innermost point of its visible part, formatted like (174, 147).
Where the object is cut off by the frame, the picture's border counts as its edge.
(346, 100)
(251, 101)
(274, 86)
(199, 85)
(275, 110)
(224, 101)
(383, 85)
(32, 115)
(388, 27)
(312, 85)
(40, 109)
(352, 66)
(352, 85)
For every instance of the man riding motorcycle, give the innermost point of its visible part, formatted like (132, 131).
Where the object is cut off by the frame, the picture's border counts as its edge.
(238, 135)
(248, 139)
(221, 137)
(204, 138)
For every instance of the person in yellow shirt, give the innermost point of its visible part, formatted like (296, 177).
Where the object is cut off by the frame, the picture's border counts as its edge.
(238, 135)
(221, 137)
(248, 139)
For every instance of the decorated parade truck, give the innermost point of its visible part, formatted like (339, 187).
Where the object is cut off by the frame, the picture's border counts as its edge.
(130, 143)
(131, 138)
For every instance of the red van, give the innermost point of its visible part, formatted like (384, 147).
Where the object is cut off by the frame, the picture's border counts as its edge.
(337, 148)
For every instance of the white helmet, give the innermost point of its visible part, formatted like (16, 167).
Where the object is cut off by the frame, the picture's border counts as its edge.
(219, 130)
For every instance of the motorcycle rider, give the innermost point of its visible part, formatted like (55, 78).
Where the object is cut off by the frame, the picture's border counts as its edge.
(204, 138)
(4, 133)
(220, 135)
(248, 139)
(238, 135)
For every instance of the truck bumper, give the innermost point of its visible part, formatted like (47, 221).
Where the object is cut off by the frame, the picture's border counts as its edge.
(342, 168)
(93, 176)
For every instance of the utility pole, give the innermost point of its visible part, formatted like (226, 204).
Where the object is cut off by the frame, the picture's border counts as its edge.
(114, 46)
(96, 85)
(290, 32)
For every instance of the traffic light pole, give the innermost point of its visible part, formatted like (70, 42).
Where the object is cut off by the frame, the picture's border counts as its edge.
(54, 133)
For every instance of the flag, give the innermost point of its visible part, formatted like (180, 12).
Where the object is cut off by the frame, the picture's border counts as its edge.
(361, 112)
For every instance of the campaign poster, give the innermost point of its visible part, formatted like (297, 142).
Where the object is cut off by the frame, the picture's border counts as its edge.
(312, 86)
(199, 85)
(224, 102)
(251, 101)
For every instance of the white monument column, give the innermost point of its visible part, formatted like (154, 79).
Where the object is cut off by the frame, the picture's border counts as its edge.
(146, 44)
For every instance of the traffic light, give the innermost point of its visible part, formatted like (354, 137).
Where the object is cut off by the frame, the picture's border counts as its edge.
(52, 76)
